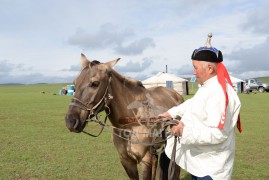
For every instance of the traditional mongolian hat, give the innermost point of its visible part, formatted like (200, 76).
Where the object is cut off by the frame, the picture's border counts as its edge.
(211, 54)
(207, 52)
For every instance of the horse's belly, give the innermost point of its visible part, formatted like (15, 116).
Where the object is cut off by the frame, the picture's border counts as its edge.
(138, 144)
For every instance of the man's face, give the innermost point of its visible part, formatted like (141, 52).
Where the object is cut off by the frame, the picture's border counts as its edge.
(199, 71)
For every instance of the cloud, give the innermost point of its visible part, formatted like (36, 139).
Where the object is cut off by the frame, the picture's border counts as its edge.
(161, 29)
(253, 59)
(110, 36)
(132, 66)
(75, 68)
(20, 73)
(186, 69)
(256, 20)
(7, 68)
(136, 47)
(34, 78)
(247, 61)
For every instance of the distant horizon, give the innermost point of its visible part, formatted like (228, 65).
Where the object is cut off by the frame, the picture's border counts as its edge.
(11, 84)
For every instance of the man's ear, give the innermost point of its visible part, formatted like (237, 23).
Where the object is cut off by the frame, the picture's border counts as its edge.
(211, 68)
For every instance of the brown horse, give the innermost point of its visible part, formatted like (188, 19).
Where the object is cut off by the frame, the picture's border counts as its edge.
(98, 87)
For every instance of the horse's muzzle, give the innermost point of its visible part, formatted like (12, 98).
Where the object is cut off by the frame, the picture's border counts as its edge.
(73, 123)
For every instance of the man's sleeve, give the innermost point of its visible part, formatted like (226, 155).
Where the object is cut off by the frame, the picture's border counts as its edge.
(180, 109)
(203, 135)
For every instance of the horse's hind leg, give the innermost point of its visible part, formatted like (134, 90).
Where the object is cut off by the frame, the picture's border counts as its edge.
(130, 167)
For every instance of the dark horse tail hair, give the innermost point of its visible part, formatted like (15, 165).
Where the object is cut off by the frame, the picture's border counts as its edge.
(164, 162)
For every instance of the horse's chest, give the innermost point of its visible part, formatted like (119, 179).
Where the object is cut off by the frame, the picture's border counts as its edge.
(134, 144)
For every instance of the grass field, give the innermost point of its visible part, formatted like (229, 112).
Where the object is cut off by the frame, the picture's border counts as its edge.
(35, 144)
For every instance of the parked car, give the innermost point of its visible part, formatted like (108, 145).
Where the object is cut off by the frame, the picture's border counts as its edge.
(254, 84)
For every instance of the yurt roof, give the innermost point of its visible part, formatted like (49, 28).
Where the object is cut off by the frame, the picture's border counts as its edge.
(235, 80)
(162, 77)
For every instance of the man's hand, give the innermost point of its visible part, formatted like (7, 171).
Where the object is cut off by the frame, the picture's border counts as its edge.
(177, 130)
(165, 116)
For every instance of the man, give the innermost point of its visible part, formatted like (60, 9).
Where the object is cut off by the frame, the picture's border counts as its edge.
(247, 88)
(206, 148)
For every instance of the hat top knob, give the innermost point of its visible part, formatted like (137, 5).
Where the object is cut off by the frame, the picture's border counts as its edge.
(208, 41)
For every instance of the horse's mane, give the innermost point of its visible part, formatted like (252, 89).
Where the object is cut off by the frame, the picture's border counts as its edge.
(94, 62)
(127, 80)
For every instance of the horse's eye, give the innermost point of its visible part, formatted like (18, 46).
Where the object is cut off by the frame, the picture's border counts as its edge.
(94, 84)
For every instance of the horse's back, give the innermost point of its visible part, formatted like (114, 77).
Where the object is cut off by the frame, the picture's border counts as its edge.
(167, 97)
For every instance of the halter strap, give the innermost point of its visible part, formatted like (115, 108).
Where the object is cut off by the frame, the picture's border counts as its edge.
(93, 115)
(85, 106)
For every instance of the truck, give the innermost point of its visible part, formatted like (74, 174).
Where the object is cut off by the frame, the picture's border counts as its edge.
(254, 84)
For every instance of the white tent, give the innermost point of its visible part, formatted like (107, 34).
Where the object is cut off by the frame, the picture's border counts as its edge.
(238, 84)
(167, 80)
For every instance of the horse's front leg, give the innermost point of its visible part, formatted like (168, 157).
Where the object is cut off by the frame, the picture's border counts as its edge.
(149, 165)
(130, 167)
(154, 166)
(123, 147)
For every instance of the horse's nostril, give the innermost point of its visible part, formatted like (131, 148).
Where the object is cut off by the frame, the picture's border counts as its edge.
(71, 122)
(76, 124)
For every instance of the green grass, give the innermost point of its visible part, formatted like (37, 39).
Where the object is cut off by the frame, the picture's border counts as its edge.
(35, 144)
(264, 79)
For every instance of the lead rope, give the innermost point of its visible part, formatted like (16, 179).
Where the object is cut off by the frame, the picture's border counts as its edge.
(172, 164)
(97, 120)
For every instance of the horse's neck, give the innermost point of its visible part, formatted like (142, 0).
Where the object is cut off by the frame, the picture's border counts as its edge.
(123, 94)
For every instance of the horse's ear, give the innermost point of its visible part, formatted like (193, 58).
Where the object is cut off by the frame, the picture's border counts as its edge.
(113, 62)
(84, 61)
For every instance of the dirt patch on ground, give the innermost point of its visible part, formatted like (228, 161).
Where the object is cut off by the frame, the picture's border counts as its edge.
(2, 118)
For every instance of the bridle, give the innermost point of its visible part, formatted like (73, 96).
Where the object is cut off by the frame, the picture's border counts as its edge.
(93, 111)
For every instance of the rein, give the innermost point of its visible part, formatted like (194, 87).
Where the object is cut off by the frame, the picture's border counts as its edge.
(160, 134)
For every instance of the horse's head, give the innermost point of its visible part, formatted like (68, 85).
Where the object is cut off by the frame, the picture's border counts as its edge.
(91, 90)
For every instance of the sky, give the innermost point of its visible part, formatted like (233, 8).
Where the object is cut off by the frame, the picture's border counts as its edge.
(41, 41)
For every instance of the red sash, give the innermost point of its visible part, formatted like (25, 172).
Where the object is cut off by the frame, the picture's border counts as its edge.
(222, 74)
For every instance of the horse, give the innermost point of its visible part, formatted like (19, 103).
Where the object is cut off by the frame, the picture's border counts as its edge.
(98, 88)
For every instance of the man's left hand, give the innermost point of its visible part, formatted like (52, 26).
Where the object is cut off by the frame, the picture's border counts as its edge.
(177, 130)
